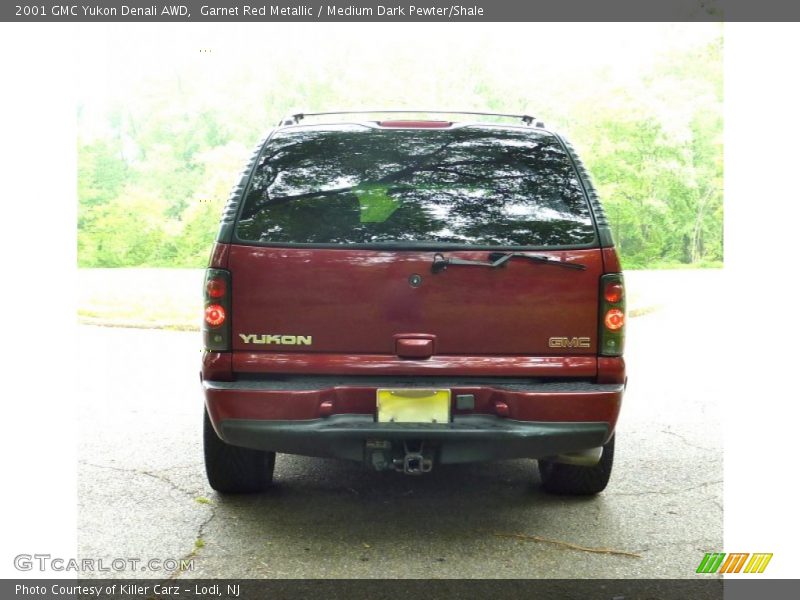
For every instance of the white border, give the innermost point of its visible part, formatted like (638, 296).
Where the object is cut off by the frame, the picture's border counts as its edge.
(38, 157)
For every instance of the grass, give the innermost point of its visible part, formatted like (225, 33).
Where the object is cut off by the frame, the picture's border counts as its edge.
(142, 298)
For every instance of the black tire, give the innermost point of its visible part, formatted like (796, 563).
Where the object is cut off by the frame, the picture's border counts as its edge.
(573, 480)
(232, 469)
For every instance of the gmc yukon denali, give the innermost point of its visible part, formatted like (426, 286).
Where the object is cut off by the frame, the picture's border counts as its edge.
(413, 293)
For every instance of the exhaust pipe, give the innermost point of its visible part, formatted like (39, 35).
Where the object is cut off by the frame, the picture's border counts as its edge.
(582, 458)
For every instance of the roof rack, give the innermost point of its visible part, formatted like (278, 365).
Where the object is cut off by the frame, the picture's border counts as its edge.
(295, 118)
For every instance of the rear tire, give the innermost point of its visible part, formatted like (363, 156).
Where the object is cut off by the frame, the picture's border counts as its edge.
(232, 469)
(573, 480)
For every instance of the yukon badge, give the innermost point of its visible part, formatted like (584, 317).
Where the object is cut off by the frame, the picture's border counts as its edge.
(282, 340)
(565, 342)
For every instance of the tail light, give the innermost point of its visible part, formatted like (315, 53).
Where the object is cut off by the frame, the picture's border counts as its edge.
(217, 310)
(215, 315)
(612, 314)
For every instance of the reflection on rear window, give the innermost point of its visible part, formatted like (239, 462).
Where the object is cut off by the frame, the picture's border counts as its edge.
(466, 186)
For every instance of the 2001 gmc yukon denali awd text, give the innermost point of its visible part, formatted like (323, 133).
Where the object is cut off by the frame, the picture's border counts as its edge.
(412, 293)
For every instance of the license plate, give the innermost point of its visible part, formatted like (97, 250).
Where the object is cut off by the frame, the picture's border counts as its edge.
(413, 406)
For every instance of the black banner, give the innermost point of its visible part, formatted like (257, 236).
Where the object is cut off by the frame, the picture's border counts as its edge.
(701, 588)
(403, 11)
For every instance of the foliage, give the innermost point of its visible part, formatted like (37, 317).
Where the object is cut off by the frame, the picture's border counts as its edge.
(154, 176)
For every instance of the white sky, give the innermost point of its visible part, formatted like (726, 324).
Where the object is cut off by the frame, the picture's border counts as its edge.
(115, 60)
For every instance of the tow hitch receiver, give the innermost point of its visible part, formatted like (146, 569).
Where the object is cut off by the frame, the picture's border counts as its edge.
(381, 455)
(414, 463)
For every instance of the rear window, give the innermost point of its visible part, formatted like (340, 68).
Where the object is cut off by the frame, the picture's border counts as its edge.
(468, 186)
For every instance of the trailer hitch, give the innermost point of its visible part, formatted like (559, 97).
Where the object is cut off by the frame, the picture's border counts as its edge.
(414, 462)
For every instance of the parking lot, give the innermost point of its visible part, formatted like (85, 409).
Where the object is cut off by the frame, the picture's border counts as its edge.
(142, 488)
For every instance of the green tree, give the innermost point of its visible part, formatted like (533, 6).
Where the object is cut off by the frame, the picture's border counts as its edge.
(154, 172)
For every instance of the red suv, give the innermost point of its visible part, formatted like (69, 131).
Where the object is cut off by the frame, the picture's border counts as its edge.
(412, 293)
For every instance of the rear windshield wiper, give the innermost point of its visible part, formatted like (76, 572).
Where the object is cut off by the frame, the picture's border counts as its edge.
(499, 259)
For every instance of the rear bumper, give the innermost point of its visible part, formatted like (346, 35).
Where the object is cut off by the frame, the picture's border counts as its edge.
(466, 439)
(318, 416)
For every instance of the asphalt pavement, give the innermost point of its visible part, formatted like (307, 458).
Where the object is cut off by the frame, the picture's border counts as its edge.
(143, 494)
